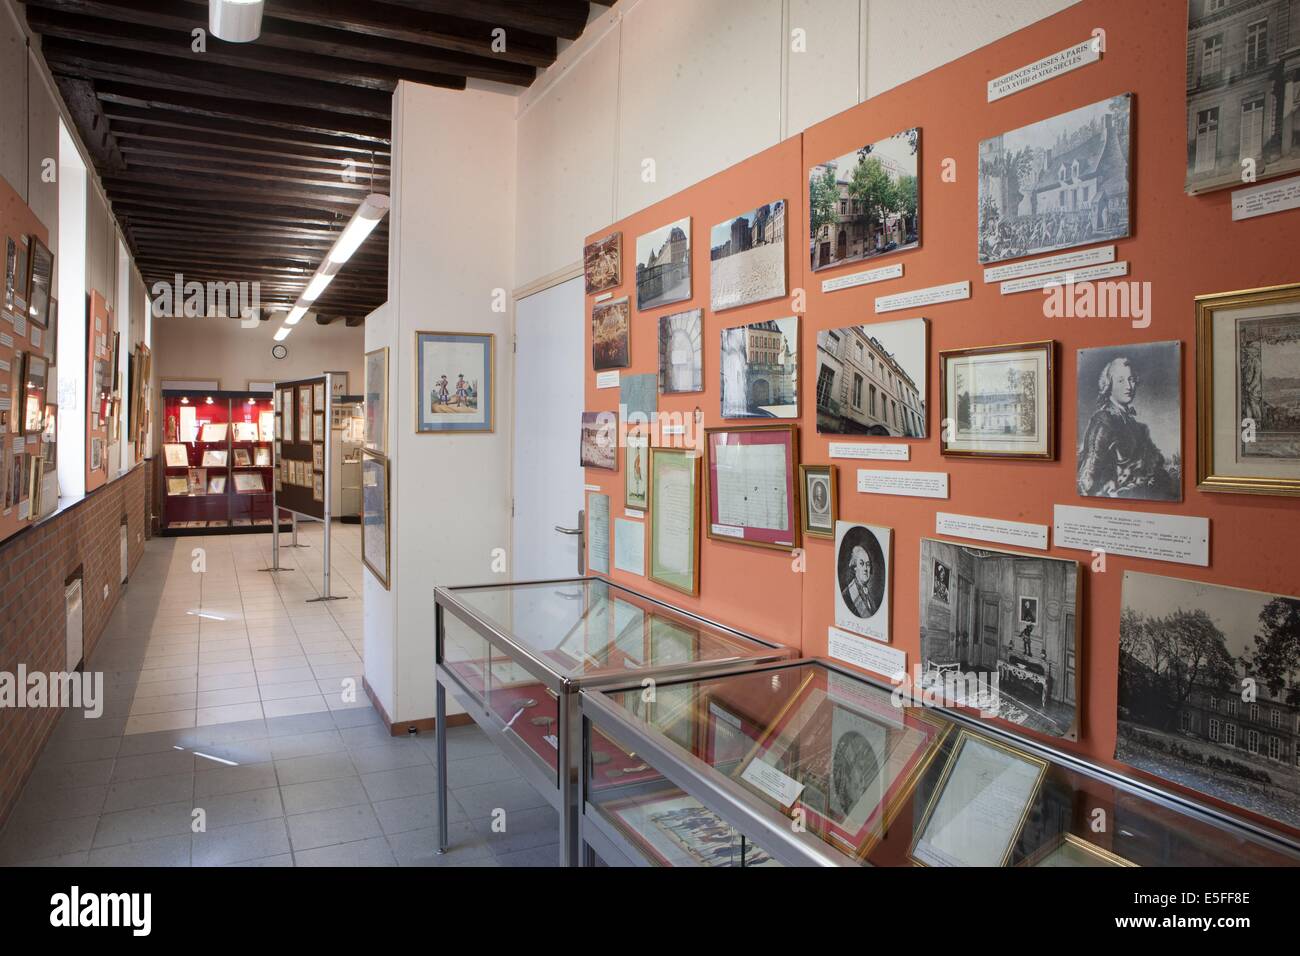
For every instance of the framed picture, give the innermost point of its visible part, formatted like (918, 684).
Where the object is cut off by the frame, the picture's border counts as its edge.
(216, 484)
(1129, 414)
(50, 439)
(249, 482)
(214, 458)
(262, 457)
(22, 274)
(598, 447)
(681, 352)
(374, 516)
(1055, 184)
(39, 280)
(198, 480)
(986, 612)
(242, 458)
(610, 335)
(871, 379)
(1000, 400)
(318, 456)
(598, 536)
(818, 505)
(1069, 850)
(52, 333)
(979, 805)
(338, 384)
(863, 571)
(245, 431)
(677, 830)
(663, 265)
(304, 413)
(318, 396)
(213, 432)
(318, 426)
(318, 487)
(11, 264)
(636, 479)
(760, 370)
(376, 401)
(747, 257)
(35, 378)
(279, 431)
(602, 263)
(752, 494)
(865, 203)
(178, 485)
(453, 381)
(1248, 391)
(675, 519)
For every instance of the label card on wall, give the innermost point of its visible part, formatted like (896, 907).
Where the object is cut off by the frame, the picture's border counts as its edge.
(1138, 534)
(607, 379)
(921, 297)
(863, 278)
(914, 484)
(1068, 278)
(1020, 533)
(1262, 200)
(870, 450)
(1071, 58)
(1066, 260)
(863, 652)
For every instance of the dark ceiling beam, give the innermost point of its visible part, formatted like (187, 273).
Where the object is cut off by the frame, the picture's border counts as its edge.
(315, 178)
(325, 319)
(164, 187)
(238, 146)
(354, 320)
(132, 201)
(181, 75)
(301, 37)
(164, 228)
(92, 124)
(168, 109)
(254, 57)
(187, 153)
(557, 18)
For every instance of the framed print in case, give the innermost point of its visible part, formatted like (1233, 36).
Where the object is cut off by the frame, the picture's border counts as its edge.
(1248, 391)
(752, 495)
(453, 382)
(374, 515)
(318, 426)
(818, 502)
(999, 401)
(376, 401)
(674, 559)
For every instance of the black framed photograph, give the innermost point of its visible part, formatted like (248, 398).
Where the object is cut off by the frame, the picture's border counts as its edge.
(39, 281)
(818, 506)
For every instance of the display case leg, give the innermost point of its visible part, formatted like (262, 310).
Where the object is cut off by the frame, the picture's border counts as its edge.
(440, 736)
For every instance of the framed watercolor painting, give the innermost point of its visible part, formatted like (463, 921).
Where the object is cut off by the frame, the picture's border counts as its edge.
(453, 382)
(376, 401)
(1000, 400)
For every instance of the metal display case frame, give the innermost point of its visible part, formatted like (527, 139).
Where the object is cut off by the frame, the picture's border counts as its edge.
(561, 794)
(762, 825)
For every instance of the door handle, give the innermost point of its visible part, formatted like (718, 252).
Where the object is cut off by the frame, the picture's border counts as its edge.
(568, 530)
(580, 531)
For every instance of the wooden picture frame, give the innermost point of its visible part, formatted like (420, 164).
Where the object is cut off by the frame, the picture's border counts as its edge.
(681, 465)
(478, 395)
(374, 496)
(1008, 445)
(805, 500)
(40, 281)
(1224, 321)
(751, 436)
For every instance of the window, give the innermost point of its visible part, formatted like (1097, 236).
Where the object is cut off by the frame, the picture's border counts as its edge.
(1184, 721)
(1214, 704)
(1232, 708)
(1254, 713)
(1252, 127)
(1214, 729)
(1207, 139)
(1274, 748)
(1213, 6)
(844, 206)
(825, 379)
(1256, 44)
(857, 391)
(1230, 734)
(1211, 57)
(1275, 718)
(858, 346)
(1252, 741)
(872, 409)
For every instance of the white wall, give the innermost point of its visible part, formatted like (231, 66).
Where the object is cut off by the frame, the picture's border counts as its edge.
(450, 248)
(698, 85)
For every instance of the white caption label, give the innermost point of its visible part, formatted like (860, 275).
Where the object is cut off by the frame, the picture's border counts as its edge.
(1065, 261)
(1262, 200)
(1138, 534)
(922, 297)
(914, 484)
(863, 278)
(878, 451)
(867, 654)
(728, 531)
(1071, 58)
(777, 784)
(992, 529)
(1069, 277)
(607, 379)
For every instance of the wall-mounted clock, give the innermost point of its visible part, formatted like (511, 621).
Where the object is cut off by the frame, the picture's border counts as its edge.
(278, 350)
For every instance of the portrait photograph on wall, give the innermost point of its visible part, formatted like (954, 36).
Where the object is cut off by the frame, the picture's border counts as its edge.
(1005, 614)
(663, 265)
(599, 444)
(747, 257)
(871, 379)
(1248, 391)
(1057, 183)
(681, 352)
(1000, 399)
(865, 203)
(862, 579)
(453, 382)
(602, 266)
(1129, 419)
(1208, 690)
(760, 370)
(610, 335)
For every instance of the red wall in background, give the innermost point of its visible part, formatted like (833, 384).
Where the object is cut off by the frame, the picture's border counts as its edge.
(1184, 246)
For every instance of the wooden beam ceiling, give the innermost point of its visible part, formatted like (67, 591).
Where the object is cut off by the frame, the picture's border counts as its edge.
(244, 161)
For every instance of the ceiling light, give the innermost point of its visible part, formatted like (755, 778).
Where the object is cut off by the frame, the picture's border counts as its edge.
(364, 220)
(295, 315)
(235, 21)
(283, 334)
(318, 283)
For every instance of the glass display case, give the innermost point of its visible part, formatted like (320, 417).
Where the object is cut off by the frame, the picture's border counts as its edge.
(516, 655)
(804, 763)
(217, 457)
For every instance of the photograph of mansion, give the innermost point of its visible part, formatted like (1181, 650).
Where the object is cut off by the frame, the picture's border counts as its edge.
(1264, 727)
(862, 389)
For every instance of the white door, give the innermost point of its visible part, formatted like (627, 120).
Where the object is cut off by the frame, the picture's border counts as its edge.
(548, 482)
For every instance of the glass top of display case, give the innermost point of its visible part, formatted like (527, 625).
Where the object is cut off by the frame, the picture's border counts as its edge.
(872, 778)
(586, 628)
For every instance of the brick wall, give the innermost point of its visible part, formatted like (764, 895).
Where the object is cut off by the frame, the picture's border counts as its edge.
(33, 567)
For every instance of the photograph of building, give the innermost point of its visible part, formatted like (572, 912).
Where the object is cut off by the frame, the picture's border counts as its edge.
(864, 203)
(871, 379)
(1243, 91)
(663, 265)
(747, 257)
(1209, 690)
(760, 370)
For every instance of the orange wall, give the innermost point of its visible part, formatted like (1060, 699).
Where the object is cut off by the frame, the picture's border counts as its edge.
(1184, 246)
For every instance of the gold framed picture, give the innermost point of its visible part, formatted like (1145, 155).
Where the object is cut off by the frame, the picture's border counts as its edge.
(374, 516)
(999, 401)
(1069, 850)
(819, 505)
(1247, 405)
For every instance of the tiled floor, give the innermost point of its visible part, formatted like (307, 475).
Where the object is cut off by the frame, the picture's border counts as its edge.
(227, 694)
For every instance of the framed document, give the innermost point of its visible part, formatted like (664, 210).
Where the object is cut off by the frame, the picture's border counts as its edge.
(318, 456)
(249, 482)
(374, 516)
(752, 495)
(598, 532)
(242, 458)
(675, 519)
(175, 455)
(304, 413)
(1069, 850)
(318, 426)
(979, 804)
(818, 507)
(318, 396)
(1247, 415)
(1000, 401)
(178, 485)
(214, 458)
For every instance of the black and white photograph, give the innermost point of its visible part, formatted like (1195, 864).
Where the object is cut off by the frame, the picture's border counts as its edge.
(1130, 423)
(1241, 92)
(871, 379)
(865, 203)
(663, 265)
(760, 370)
(1207, 690)
(681, 352)
(602, 263)
(599, 444)
(862, 566)
(1057, 183)
(747, 257)
(1008, 623)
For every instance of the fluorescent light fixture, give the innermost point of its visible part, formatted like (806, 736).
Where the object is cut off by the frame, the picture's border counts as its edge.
(372, 209)
(295, 315)
(283, 333)
(323, 277)
(235, 21)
